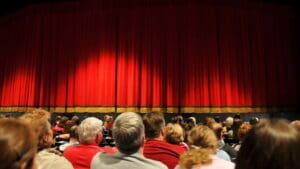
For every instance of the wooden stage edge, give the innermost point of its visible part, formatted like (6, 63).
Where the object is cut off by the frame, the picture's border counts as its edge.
(153, 109)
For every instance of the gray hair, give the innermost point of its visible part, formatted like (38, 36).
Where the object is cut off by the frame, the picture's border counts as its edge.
(128, 131)
(89, 128)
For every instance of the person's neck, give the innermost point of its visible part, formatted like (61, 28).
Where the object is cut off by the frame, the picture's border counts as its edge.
(89, 143)
(160, 138)
(73, 140)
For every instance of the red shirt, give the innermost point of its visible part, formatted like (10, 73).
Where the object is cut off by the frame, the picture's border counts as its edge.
(81, 155)
(164, 152)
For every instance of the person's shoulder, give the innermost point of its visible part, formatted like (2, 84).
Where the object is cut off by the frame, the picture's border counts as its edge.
(55, 159)
(217, 161)
(156, 164)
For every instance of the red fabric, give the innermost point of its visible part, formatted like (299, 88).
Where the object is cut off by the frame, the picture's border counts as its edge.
(187, 54)
(164, 152)
(81, 155)
(56, 128)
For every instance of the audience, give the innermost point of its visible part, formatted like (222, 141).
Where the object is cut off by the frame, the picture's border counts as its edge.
(156, 147)
(90, 136)
(129, 134)
(203, 146)
(17, 145)
(47, 158)
(27, 143)
(273, 144)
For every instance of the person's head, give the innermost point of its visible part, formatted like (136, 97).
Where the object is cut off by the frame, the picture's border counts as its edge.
(174, 133)
(270, 144)
(243, 130)
(203, 143)
(90, 130)
(74, 132)
(128, 132)
(296, 124)
(209, 120)
(177, 119)
(228, 122)
(254, 120)
(63, 121)
(76, 120)
(38, 121)
(217, 129)
(202, 137)
(192, 120)
(38, 114)
(154, 124)
(17, 145)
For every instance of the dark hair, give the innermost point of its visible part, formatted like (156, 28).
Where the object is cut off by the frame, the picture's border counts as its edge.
(153, 122)
(270, 144)
(74, 132)
(17, 144)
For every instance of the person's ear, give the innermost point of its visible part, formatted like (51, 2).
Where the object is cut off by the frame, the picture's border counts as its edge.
(163, 131)
(99, 138)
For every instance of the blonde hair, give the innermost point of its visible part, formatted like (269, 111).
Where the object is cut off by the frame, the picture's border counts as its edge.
(203, 143)
(38, 121)
(173, 133)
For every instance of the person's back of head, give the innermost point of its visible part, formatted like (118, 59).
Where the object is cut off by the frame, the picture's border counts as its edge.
(154, 122)
(76, 120)
(270, 144)
(74, 132)
(202, 137)
(296, 124)
(38, 114)
(17, 145)
(90, 130)
(203, 143)
(38, 121)
(243, 130)
(228, 122)
(217, 129)
(174, 133)
(128, 132)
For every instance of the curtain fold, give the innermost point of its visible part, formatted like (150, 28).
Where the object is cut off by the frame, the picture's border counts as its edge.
(189, 55)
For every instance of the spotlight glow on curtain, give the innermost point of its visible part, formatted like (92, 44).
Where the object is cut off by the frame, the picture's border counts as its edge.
(198, 55)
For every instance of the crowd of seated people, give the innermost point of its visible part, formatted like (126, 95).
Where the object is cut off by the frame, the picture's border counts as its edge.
(145, 141)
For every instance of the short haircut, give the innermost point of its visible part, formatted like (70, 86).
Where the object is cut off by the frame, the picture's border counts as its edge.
(174, 133)
(89, 128)
(74, 132)
(154, 122)
(128, 132)
(17, 144)
(270, 144)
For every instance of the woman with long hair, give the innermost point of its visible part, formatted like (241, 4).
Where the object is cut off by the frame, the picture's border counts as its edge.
(270, 144)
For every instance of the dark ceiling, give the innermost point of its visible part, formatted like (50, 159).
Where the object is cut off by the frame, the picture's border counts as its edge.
(10, 6)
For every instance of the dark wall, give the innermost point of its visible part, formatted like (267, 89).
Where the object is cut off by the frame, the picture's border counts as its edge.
(199, 116)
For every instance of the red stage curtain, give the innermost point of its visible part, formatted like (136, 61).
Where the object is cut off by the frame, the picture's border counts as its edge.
(181, 55)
